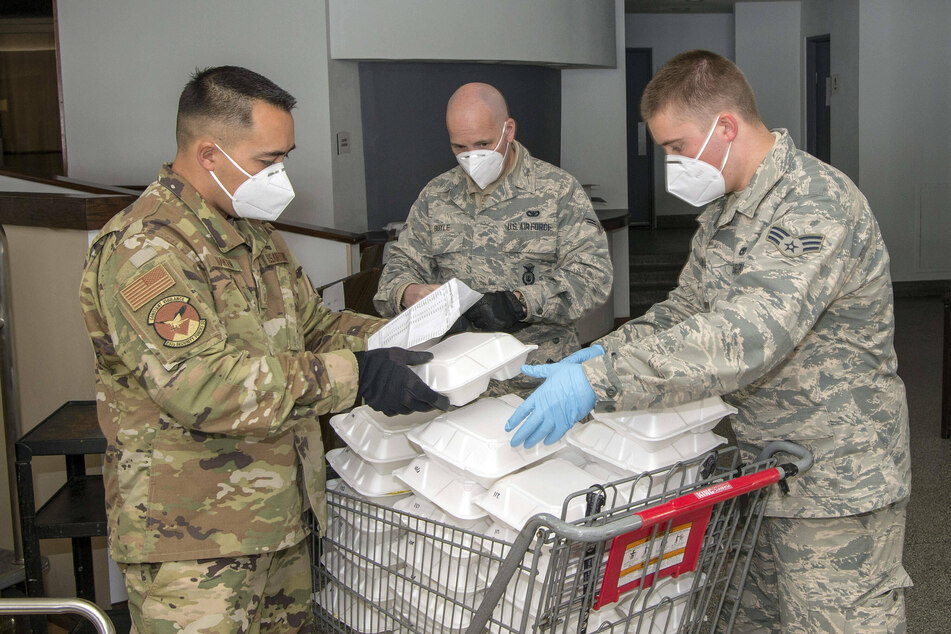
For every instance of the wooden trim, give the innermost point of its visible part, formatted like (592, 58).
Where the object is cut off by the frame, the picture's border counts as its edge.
(337, 235)
(60, 211)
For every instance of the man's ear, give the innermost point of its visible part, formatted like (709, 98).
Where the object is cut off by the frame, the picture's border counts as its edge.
(509, 130)
(730, 125)
(207, 154)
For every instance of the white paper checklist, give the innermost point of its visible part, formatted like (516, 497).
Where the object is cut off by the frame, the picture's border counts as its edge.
(427, 319)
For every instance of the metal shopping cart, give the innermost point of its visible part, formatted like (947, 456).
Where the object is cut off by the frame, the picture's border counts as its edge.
(664, 551)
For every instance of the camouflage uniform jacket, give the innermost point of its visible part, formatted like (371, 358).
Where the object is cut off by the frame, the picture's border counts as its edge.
(535, 232)
(214, 356)
(784, 308)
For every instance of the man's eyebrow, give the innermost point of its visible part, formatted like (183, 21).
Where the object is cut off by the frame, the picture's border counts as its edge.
(670, 142)
(277, 153)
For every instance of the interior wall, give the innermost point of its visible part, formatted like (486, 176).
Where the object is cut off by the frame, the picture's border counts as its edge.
(839, 20)
(528, 31)
(404, 123)
(768, 51)
(668, 34)
(594, 124)
(124, 65)
(905, 159)
(349, 174)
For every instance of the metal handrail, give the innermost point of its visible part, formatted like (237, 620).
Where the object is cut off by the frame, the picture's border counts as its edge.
(87, 609)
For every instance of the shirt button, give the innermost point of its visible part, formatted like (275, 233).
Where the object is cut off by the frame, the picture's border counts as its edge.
(556, 340)
(611, 392)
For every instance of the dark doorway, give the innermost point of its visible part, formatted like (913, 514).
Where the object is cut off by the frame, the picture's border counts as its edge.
(640, 151)
(819, 89)
(30, 134)
(404, 123)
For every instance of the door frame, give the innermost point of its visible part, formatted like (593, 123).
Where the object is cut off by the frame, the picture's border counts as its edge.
(632, 138)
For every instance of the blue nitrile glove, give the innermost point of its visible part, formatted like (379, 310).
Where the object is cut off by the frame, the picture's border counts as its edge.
(584, 354)
(557, 404)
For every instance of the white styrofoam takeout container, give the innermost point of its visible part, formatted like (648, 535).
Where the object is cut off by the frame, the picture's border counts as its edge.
(472, 441)
(654, 428)
(463, 364)
(619, 451)
(353, 611)
(429, 610)
(420, 507)
(380, 439)
(362, 477)
(370, 583)
(453, 569)
(444, 488)
(666, 618)
(542, 488)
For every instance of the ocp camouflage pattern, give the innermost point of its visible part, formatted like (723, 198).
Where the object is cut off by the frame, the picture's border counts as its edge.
(534, 231)
(798, 339)
(214, 356)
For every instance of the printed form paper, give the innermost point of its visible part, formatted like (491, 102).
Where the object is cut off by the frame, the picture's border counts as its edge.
(427, 319)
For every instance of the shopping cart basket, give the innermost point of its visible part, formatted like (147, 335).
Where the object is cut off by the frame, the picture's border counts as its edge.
(664, 551)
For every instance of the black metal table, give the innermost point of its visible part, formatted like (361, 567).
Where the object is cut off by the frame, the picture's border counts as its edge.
(77, 510)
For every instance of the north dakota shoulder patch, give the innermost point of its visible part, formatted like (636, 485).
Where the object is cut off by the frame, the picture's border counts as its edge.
(793, 246)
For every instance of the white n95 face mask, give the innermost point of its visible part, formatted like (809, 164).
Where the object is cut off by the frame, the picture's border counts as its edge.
(693, 180)
(483, 166)
(263, 196)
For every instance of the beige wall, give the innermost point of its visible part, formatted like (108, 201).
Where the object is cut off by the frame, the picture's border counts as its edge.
(54, 359)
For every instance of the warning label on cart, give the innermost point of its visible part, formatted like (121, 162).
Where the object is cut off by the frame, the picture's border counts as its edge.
(669, 551)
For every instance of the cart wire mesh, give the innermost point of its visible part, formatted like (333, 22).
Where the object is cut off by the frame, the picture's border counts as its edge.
(378, 569)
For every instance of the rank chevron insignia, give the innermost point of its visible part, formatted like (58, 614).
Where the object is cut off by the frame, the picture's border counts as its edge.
(793, 246)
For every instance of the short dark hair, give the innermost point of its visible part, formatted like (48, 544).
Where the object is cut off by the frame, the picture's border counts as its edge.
(224, 95)
(699, 84)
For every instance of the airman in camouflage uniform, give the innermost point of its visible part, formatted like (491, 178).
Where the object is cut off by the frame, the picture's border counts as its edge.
(531, 231)
(214, 356)
(785, 309)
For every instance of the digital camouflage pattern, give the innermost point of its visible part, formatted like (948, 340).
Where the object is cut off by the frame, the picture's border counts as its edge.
(840, 574)
(534, 232)
(785, 309)
(250, 594)
(214, 356)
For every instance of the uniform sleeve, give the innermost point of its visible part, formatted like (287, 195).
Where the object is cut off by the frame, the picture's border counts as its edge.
(182, 356)
(410, 261)
(582, 278)
(772, 304)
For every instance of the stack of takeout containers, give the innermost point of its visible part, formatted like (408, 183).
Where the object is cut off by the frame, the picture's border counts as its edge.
(357, 552)
(377, 446)
(465, 451)
(457, 488)
(639, 441)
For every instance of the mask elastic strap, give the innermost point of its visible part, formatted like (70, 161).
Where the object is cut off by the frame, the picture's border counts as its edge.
(728, 148)
(499, 144)
(222, 186)
(702, 147)
(235, 164)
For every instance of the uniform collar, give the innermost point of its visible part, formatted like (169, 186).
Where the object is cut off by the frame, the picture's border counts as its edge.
(775, 164)
(521, 176)
(225, 235)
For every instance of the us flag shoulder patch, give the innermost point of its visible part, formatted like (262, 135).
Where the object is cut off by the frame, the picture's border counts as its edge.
(146, 286)
(793, 246)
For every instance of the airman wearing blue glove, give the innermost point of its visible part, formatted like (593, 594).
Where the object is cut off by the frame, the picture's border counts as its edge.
(558, 403)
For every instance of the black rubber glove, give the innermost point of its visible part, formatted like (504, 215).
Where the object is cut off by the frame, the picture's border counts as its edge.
(388, 386)
(461, 325)
(496, 311)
